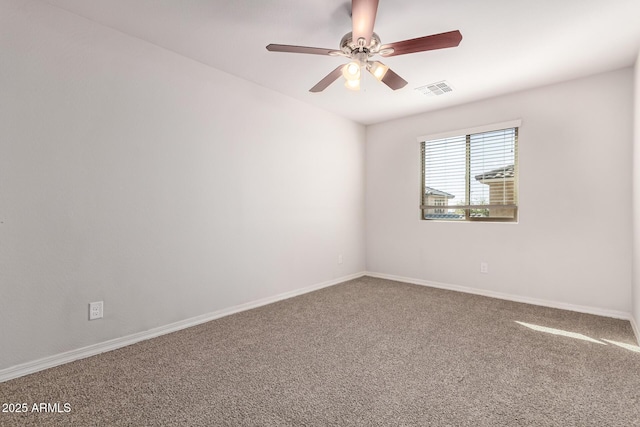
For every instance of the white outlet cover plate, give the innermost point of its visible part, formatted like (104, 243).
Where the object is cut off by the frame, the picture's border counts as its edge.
(95, 310)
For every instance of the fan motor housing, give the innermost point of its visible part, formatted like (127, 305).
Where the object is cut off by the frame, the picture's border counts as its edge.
(351, 47)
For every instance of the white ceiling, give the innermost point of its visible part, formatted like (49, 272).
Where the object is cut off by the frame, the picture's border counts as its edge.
(507, 45)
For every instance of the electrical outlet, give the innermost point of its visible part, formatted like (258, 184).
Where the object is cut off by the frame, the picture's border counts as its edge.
(484, 267)
(340, 259)
(96, 310)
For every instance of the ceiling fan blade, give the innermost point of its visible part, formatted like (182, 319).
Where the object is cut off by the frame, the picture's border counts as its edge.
(363, 16)
(299, 49)
(393, 80)
(421, 44)
(330, 78)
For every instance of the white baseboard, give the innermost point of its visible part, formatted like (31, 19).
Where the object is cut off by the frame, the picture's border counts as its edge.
(516, 298)
(635, 328)
(92, 350)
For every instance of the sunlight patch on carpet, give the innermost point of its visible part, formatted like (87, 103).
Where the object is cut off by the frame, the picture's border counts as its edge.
(630, 347)
(560, 332)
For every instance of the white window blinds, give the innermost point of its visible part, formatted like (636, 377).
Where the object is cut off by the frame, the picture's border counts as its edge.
(474, 176)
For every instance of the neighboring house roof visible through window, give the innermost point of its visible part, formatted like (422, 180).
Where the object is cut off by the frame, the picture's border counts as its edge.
(500, 173)
(428, 191)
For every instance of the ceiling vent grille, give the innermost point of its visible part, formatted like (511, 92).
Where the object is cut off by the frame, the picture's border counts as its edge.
(435, 89)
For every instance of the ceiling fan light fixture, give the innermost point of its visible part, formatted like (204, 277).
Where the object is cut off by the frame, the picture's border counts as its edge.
(352, 84)
(378, 70)
(351, 71)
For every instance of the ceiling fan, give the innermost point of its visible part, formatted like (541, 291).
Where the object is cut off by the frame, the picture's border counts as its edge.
(362, 44)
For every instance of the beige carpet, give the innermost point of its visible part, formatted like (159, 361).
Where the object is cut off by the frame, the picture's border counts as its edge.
(365, 352)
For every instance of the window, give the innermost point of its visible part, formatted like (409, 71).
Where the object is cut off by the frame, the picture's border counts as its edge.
(471, 176)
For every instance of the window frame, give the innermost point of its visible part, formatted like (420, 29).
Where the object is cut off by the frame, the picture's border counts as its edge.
(515, 124)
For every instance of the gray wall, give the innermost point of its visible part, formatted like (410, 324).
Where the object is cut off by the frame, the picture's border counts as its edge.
(163, 187)
(575, 147)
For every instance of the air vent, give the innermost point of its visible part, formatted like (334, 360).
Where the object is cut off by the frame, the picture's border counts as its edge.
(435, 89)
